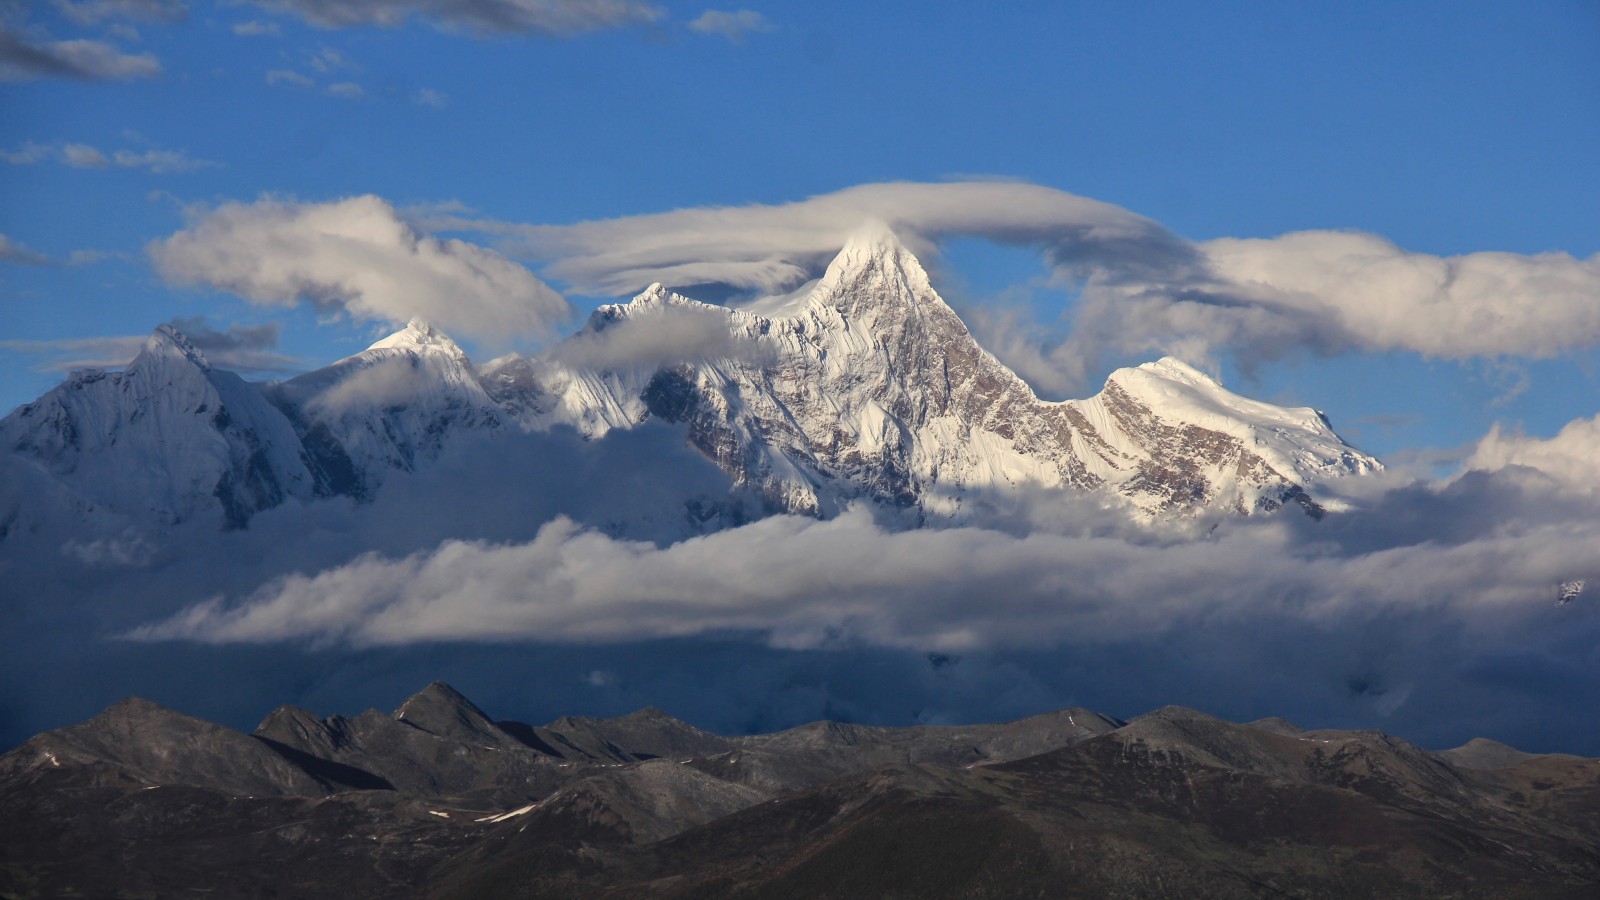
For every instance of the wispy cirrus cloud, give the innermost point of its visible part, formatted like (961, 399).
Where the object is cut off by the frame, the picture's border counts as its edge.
(250, 349)
(15, 253)
(541, 17)
(94, 12)
(22, 59)
(289, 76)
(254, 28)
(85, 156)
(356, 255)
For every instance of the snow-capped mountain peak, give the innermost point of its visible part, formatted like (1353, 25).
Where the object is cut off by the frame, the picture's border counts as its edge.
(168, 342)
(870, 386)
(420, 336)
(864, 386)
(873, 267)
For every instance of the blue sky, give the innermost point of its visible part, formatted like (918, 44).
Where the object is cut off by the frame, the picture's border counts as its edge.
(1445, 128)
(1387, 211)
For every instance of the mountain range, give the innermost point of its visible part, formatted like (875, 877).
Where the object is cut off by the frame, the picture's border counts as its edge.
(862, 387)
(438, 799)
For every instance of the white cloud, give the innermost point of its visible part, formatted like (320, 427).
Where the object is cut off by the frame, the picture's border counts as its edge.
(546, 17)
(22, 60)
(1381, 297)
(160, 161)
(358, 256)
(433, 98)
(775, 247)
(285, 76)
(1137, 288)
(82, 156)
(659, 335)
(1571, 458)
(390, 382)
(735, 26)
(327, 60)
(349, 90)
(805, 583)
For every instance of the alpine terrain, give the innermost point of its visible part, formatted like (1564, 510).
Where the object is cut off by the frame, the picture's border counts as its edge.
(863, 387)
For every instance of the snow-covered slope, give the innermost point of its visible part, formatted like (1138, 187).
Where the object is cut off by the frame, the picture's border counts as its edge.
(865, 386)
(390, 407)
(870, 386)
(167, 440)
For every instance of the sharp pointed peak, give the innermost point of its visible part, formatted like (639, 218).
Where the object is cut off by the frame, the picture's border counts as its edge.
(437, 690)
(167, 342)
(419, 335)
(873, 249)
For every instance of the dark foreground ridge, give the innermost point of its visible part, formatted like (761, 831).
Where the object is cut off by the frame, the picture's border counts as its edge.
(439, 800)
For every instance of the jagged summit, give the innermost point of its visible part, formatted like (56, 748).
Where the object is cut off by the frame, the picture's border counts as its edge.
(167, 342)
(874, 269)
(441, 710)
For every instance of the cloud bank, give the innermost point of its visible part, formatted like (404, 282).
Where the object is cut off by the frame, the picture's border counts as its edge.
(356, 255)
(543, 17)
(1427, 609)
(1484, 552)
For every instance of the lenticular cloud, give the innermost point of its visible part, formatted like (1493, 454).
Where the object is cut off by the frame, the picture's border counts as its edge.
(1135, 285)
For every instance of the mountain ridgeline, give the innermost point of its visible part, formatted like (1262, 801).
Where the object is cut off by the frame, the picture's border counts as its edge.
(865, 386)
(440, 800)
